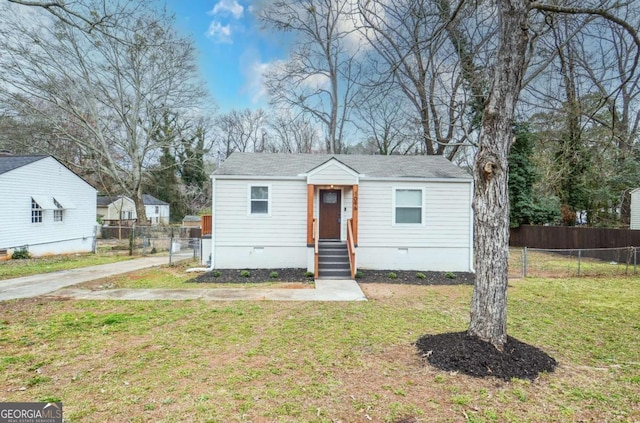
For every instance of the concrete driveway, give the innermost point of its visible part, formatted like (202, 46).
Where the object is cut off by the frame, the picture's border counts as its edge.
(59, 284)
(45, 283)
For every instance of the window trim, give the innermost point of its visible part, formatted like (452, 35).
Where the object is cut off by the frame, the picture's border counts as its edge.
(394, 206)
(249, 200)
(58, 213)
(37, 213)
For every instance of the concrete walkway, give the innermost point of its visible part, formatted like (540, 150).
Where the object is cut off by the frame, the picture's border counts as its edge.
(56, 283)
(326, 290)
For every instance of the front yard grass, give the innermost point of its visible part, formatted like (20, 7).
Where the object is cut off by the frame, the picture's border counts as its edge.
(171, 361)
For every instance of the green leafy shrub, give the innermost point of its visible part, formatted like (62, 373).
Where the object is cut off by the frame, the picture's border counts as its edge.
(273, 275)
(420, 275)
(216, 273)
(21, 254)
(245, 273)
(309, 274)
(450, 275)
(392, 275)
(359, 275)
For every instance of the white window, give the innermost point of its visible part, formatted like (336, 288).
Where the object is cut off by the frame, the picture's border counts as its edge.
(58, 212)
(407, 206)
(259, 200)
(36, 212)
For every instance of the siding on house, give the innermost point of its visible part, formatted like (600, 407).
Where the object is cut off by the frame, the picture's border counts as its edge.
(161, 217)
(635, 209)
(442, 242)
(46, 178)
(244, 240)
(332, 173)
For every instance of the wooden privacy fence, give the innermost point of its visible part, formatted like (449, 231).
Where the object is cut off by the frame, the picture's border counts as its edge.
(572, 237)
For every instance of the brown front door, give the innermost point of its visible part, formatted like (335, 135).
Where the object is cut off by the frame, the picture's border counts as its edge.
(330, 214)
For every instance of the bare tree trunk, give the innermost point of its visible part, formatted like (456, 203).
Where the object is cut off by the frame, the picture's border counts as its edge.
(491, 200)
(141, 212)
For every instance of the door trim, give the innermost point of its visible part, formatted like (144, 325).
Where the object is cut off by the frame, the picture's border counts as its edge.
(341, 212)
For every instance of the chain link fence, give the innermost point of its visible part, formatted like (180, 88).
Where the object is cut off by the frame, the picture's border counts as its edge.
(179, 243)
(539, 262)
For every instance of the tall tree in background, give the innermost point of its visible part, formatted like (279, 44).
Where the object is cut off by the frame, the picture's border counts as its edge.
(526, 208)
(179, 177)
(292, 135)
(241, 130)
(585, 106)
(319, 78)
(419, 48)
(193, 146)
(387, 123)
(109, 85)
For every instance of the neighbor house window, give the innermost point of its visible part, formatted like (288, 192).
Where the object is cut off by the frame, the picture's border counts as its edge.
(58, 212)
(36, 212)
(407, 206)
(259, 199)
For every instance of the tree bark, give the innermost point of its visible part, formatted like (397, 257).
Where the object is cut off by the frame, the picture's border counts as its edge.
(491, 199)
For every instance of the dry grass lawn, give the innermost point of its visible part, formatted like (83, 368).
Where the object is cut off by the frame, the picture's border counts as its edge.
(169, 361)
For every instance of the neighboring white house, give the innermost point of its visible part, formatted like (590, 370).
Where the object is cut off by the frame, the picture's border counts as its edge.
(404, 212)
(44, 207)
(635, 209)
(157, 210)
(115, 208)
(120, 208)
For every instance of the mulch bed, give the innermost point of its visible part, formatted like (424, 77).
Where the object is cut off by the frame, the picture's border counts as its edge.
(414, 277)
(256, 276)
(364, 276)
(466, 354)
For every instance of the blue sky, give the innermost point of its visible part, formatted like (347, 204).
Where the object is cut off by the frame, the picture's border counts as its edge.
(233, 49)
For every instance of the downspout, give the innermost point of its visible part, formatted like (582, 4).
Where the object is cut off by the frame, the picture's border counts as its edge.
(471, 252)
(213, 231)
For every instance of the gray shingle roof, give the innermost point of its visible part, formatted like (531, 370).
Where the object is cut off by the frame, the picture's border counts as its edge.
(147, 200)
(8, 163)
(105, 200)
(415, 167)
(150, 200)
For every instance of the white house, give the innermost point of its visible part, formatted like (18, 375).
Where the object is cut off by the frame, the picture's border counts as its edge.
(389, 212)
(120, 208)
(157, 210)
(635, 209)
(115, 208)
(44, 207)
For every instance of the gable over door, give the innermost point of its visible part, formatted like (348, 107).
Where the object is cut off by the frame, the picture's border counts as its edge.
(330, 204)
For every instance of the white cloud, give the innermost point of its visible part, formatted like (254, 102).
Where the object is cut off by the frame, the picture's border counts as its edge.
(220, 33)
(253, 71)
(231, 7)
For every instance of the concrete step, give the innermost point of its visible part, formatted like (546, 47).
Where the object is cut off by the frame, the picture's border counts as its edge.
(341, 274)
(334, 259)
(332, 251)
(334, 266)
